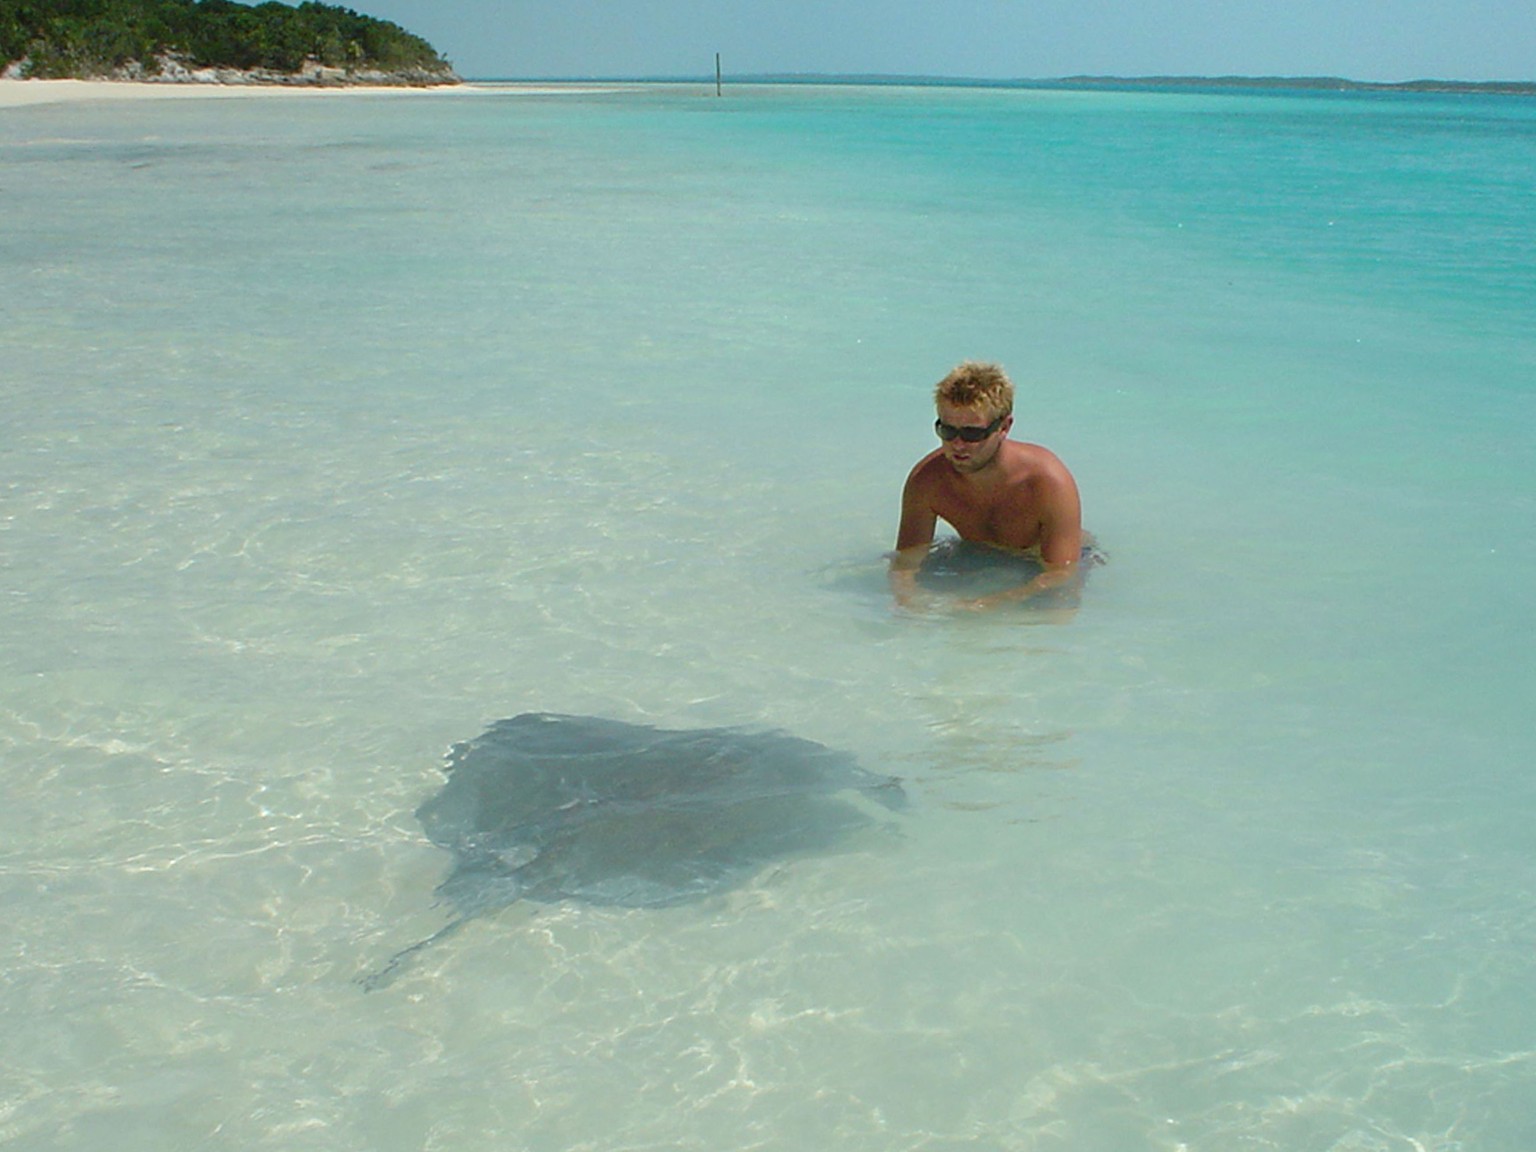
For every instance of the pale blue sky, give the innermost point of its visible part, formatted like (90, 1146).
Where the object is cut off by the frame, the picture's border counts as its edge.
(1035, 39)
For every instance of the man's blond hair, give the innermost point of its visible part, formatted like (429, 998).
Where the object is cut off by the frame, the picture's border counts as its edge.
(973, 384)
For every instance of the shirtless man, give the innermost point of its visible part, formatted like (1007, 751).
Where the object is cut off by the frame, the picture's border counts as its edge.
(991, 489)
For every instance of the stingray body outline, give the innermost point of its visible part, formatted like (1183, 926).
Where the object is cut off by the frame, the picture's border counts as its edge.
(550, 807)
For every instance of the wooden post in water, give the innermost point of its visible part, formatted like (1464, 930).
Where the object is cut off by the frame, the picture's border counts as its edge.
(717, 73)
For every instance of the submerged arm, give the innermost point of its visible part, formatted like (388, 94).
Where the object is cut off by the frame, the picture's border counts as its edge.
(902, 575)
(1054, 576)
(913, 539)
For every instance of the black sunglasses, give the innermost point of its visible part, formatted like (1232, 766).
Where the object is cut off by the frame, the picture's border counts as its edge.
(969, 433)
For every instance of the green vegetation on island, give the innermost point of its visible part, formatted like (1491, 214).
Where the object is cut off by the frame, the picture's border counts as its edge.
(211, 40)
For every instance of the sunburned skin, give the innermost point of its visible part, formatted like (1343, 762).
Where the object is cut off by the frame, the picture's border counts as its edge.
(997, 491)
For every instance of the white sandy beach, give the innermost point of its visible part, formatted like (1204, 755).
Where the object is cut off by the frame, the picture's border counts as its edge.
(18, 93)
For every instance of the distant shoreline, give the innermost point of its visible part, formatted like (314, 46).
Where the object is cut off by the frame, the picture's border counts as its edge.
(19, 92)
(1065, 83)
(1305, 83)
(171, 72)
(22, 93)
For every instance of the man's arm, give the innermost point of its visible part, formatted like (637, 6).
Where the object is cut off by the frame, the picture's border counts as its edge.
(1053, 577)
(914, 537)
(1060, 544)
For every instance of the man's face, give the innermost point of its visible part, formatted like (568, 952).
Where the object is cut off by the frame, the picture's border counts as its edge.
(962, 454)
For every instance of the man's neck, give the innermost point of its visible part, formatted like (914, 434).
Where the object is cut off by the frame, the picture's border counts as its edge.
(989, 475)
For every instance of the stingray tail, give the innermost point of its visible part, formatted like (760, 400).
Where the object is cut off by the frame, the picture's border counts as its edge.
(401, 960)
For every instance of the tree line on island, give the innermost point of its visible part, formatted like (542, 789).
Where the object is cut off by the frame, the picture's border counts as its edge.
(162, 39)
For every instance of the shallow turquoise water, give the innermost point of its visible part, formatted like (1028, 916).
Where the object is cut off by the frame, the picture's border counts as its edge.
(337, 429)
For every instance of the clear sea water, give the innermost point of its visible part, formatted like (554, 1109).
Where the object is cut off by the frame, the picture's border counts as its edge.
(335, 429)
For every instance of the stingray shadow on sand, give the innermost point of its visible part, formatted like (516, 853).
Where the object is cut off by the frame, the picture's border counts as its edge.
(551, 808)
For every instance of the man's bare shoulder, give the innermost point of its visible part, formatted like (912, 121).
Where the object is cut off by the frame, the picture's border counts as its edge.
(1034, 463)
(930, 471)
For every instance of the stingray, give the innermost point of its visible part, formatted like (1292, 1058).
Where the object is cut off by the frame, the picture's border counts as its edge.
(551, 808)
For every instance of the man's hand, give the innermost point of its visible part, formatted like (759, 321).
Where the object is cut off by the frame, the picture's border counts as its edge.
(1053, 577)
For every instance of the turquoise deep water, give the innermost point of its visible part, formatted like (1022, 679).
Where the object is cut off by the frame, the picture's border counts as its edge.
(336, 428)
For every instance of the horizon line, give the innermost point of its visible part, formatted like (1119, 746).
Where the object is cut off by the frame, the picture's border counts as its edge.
(1338, 83)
